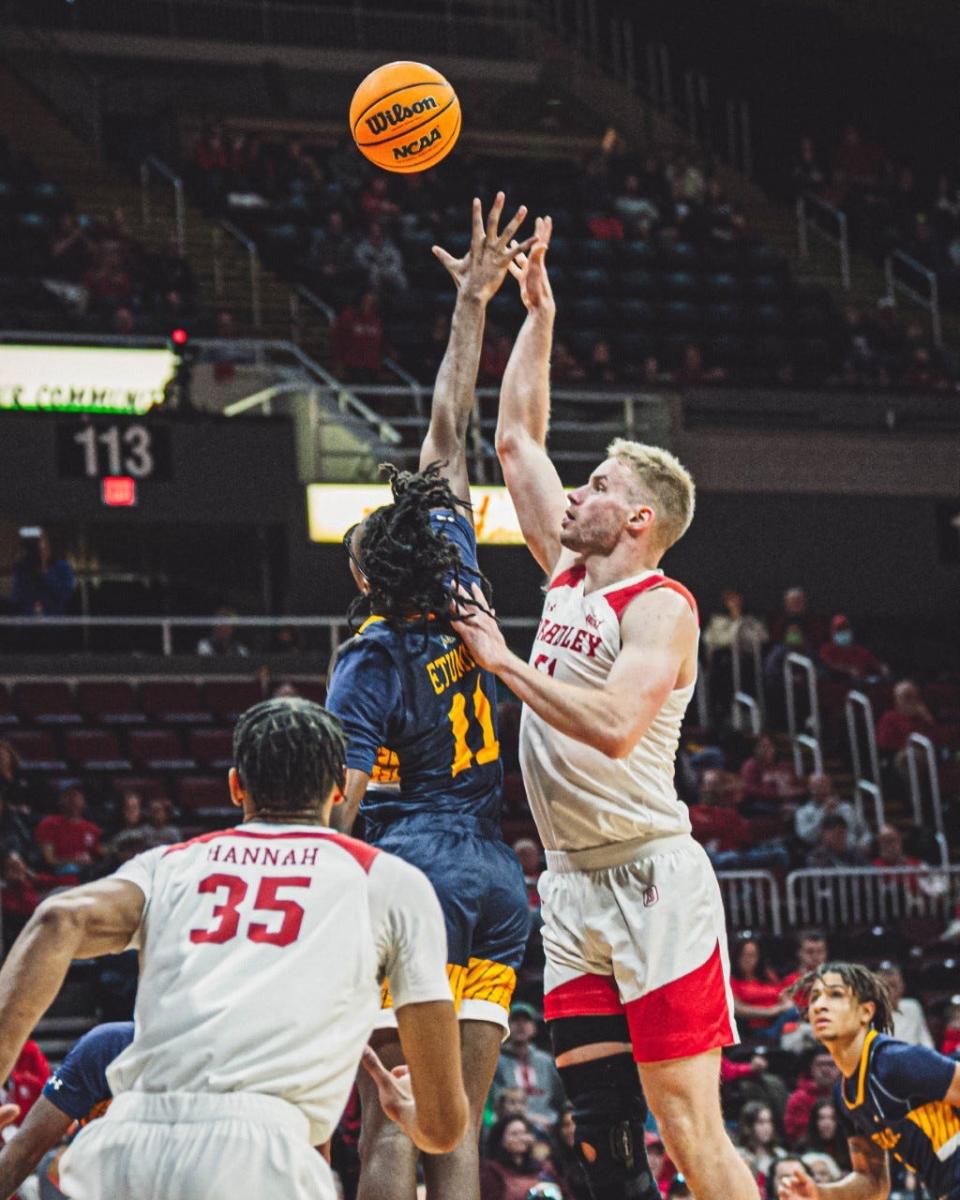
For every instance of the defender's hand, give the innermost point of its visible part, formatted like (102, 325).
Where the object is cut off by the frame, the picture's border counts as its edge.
(530, 271)
(798, 1186)
(394, 1090)
(483, 268)
(478, 629)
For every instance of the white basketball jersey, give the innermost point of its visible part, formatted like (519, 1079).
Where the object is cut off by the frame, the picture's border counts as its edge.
(581, 798)
(262, 951)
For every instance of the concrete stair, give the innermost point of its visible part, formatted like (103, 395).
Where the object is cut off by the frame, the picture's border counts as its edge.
(99, 189)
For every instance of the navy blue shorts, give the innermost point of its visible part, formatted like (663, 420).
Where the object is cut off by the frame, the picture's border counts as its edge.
(480, 886)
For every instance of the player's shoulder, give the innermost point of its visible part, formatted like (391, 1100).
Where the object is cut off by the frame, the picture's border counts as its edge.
(661, 599)
(104, 1042)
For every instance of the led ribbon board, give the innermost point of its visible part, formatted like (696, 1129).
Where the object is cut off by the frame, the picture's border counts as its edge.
(333, 507)
(83, 379)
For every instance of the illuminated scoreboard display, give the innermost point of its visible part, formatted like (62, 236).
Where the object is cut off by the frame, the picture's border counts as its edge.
(333, 507)
(83, 379)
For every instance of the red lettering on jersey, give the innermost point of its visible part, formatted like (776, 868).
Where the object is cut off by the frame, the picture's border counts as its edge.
(289, 859)
(270, 856)
(230, 856)
(309, 856)
(594, 645)
(251, 854)
(577, 643)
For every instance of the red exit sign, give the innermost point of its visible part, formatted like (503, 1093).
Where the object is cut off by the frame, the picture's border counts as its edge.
(119, 491)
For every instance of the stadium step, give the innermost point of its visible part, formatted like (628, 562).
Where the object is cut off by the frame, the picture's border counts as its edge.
(98, 189)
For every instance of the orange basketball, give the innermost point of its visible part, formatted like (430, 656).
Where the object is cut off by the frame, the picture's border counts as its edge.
(405, 117)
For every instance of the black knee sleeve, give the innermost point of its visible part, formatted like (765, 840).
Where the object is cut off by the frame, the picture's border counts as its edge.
(610, 1113)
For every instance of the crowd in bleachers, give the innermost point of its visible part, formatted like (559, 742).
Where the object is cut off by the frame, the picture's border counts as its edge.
(660, 277)
(61, 269)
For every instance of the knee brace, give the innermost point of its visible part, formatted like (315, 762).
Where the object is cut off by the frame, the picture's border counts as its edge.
(610, 1113)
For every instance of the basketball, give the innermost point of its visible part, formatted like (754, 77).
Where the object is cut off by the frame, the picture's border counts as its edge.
(405, 117)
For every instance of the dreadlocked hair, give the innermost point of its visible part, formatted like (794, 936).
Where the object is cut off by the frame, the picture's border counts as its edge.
(289, 753)
(413, 571)
(866, 986)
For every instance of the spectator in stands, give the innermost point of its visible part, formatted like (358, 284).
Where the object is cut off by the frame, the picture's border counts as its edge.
(846, 658)
(817, 1084)
(812, 952)
(174, 273)
(908, 715)
(528, 852)
(108, 283)
(68, 842)
(15, 833)
(523, 1064)
(566, 1156)
(123, 322)
(375, 202)
(796, 613)
(21, 890)
(770, 786)
(757, 992)
(693, 373)
(634, 204)
(130, 838)
(564, 368)
(733, 622)
(71, 251)
(781, 1170)
(380, 257)
(757, 1139)
(511, 1102)
(332, 262)
(28, 1077)
(725, 833)
(823, 802)
(859, 161)
(14, 789)
(909, 1021)
(222, 641)
(951, 1027)
(158, 830)
(824, 1135)
(42, 584)
(358, 340)
(833, 848)
(890, 850)
(807, 172)
(601, 368)
(794, 641)
(511, 1168)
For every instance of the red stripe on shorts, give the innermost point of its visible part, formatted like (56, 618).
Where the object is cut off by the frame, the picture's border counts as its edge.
(688, 1016)
(585, 996)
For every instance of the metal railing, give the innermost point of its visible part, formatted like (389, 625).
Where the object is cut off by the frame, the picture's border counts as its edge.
(800, 741)
(751, 900)
(150, 167)
(163, 628)
(921, 749)
(841, 239)
(856, 896)
(931, 301)
(742, 700)
(864, 785)
(300, 296)
(253, 266)
(359, 24)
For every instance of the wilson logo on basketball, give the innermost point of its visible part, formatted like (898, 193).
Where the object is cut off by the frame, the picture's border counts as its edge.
(396, 114)
(411, 149)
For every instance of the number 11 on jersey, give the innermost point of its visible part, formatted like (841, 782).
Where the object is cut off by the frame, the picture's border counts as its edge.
(463, 756)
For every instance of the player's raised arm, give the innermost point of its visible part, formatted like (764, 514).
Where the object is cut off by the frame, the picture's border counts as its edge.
(530, 476)
(658, 642)
(478, 276)
(85, 922)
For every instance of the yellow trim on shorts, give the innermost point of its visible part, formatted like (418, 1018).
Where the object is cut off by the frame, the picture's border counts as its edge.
(491, 981)
(456, 976)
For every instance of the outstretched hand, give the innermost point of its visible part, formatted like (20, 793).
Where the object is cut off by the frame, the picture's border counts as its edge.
(530, 270)
(483, 268)
(798, 1186)
(477, 626)
(393, 1088)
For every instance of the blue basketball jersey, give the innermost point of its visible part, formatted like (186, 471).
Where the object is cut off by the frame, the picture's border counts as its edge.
(419, 701)
(896, 1098)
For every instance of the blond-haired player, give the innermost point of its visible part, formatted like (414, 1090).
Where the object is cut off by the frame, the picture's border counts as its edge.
(634, 927)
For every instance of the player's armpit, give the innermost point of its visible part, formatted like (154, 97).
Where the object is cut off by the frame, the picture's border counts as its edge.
(430, 1037)
(44, 1126)
(345, 813)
